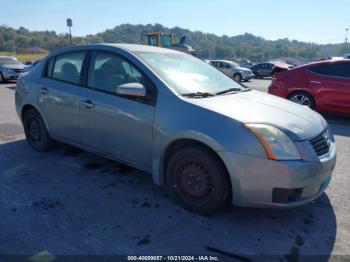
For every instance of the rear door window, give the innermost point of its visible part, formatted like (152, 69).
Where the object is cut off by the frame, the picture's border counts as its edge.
(49, 67)
(340, 69)
(67, 67)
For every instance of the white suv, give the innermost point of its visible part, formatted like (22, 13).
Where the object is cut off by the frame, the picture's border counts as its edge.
(233, 70)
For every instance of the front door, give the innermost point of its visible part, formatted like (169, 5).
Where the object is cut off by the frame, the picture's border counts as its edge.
(114, 125)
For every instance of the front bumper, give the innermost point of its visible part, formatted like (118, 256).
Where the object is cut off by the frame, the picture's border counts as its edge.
(260, 182)
(11, 75)
(247, 76)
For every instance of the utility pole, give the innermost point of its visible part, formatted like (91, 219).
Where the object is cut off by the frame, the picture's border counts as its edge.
(70, 24)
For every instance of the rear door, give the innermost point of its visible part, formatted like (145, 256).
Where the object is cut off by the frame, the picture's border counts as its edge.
(58, 95)
(117, 126)
(339, 82)
(331, 84)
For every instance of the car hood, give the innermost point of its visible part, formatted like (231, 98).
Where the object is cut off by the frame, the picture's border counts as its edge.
(299, 122)
(13, 66)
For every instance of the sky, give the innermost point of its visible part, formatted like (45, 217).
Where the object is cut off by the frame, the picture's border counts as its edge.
(318, 21)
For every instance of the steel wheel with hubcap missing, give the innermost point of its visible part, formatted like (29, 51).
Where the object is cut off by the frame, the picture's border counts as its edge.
(197, 180)
(302, 98)
(35, 131)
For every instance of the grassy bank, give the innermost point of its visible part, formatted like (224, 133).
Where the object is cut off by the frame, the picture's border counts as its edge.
(24, 57)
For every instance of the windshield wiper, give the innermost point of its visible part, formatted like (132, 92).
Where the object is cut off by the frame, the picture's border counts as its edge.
(198, 94)
(230, 90)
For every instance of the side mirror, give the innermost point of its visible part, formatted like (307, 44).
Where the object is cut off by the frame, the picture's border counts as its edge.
(131, 89)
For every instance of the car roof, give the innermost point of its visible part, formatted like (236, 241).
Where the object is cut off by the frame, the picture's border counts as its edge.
(225, 61)
(131, 48)
(324, 62)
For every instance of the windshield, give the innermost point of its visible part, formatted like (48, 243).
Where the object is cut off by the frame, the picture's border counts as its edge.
(8, 61)
(187, 74)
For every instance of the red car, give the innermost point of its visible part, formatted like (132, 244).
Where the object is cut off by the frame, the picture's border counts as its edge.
(323, 86)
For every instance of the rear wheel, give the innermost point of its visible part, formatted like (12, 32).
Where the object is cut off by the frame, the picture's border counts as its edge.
(197, 180)
(35, 130)
(302, 98)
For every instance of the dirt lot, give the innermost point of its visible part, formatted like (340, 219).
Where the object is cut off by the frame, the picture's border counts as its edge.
(67, 201)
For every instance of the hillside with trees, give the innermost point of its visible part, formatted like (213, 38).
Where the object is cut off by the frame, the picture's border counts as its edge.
(245, 46)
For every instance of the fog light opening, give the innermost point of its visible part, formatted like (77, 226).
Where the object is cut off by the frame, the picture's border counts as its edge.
(282, 195)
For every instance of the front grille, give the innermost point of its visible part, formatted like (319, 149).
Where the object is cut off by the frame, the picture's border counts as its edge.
(321, 143)
(18, 70)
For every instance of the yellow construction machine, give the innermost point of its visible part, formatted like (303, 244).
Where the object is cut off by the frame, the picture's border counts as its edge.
(168, 40)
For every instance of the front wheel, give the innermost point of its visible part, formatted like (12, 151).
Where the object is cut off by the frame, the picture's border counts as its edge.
(2, 79)
(237, 77)
(35, 130)
(302, 98)
(198, 181)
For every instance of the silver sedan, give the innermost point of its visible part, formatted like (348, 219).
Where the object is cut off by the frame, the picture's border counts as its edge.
(210, 140)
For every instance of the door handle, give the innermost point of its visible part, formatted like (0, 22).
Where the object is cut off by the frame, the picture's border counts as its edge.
(88, 104)
(315, 82)
(44, 90)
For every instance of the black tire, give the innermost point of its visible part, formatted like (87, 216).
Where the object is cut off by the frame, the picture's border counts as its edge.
(2, 79)
(257, 75)
(35, 130)
(237, 77)
(302, 98)
(198, 181)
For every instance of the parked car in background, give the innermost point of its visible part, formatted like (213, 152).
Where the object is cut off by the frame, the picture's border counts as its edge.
(323, 86)
(279, 67)
(262, 70)
(30, 65)
(233, 70)
(347, 56)
(210, 140)
(245, 63)
(10, 68)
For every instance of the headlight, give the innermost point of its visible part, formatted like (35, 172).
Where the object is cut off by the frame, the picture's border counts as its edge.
(8, 70)
(277, 144)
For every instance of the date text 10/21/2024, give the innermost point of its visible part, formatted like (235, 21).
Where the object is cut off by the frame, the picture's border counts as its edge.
(173, 258)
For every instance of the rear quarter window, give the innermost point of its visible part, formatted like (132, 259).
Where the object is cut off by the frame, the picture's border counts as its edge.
(49, 67)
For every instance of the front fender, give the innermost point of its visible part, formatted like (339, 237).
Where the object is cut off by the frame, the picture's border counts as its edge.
(160, 148)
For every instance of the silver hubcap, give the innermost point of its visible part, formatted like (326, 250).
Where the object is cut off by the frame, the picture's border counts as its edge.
(301, 99)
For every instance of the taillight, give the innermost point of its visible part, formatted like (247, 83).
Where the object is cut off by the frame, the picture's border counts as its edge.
(280, 77)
